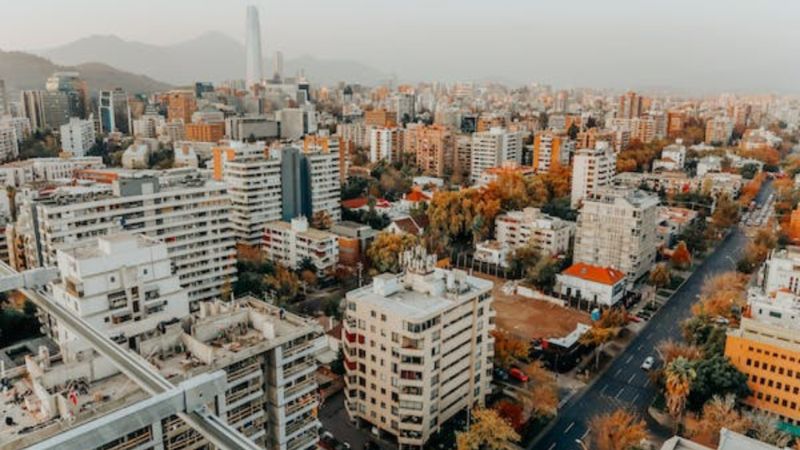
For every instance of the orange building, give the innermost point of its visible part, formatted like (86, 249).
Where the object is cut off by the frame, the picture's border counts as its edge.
(770, 357)
(794, 226)
(181, 105)
(328, 144)
(547, 151)
(589, 138)
(433, 147)
(380, 118)
(675, 123)
(205, 132)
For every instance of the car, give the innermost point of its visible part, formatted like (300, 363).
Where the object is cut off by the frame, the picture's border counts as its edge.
(500, 374)
(648, 363)
(518, 375)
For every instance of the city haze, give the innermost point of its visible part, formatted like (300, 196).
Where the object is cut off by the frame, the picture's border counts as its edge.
(700, 47)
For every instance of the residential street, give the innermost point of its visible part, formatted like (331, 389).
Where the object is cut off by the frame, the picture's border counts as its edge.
(625, 384)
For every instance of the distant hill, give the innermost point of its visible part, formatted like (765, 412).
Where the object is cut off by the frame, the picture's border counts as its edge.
(212, 56)
(25, 71)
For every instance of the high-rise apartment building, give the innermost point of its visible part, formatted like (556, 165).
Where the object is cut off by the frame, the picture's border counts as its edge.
(180, 106)
(74, 88)
(9, 144)
(33, 108)
(493, 148)
(179, 206)
(3, 99)
(719, 130)
(77, 136)
(380, 118)
(592, 169)
(291, 243)
(148, 125)
(385, 144)
(551, 150)
(38, 170)
(21, 125)
(433, 147)
(617, 229)
(121, 284)
(630, 106)
(114, 111)
(310, 182)
(417, 348)
(269, 391)
(204, 131)
(254, 70)
(405, 107)
(253, 178)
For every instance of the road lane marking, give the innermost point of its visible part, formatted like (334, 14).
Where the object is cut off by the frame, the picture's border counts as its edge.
(629, 358)
(635, 397)
(552, 446)
(569, 427)
(619, 393)
(583, 436)
(618, 371)
(647, 382)
(603, 391)
(631, 378)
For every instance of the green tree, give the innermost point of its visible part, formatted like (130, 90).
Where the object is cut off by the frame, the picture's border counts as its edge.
(715, 375)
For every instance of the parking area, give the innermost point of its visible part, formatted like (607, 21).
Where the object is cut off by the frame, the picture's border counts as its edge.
(335, 421)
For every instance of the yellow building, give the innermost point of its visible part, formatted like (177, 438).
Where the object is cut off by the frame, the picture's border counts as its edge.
(769, 354)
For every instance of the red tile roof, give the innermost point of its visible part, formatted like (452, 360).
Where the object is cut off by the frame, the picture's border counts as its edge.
(597, 274)
(417, 196)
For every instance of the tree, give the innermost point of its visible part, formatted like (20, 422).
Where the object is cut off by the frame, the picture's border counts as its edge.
(669, 350)
(719, 413)
(619, 430)
(659, 276)
(715, 375)
(764, 427)
(508, 349)
(598, 337)
(510, 412)
(726, 213)
(722, 295)
(678, 376)
(681, 258)
(283, 283)
(321, 220)
(385, 250)
(488, 431)
(540, 397)
(702, 332)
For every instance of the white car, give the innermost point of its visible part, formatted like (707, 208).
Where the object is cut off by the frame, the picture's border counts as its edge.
(648, 363)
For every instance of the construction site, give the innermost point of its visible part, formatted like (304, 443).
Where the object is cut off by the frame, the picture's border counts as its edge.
(268, 392)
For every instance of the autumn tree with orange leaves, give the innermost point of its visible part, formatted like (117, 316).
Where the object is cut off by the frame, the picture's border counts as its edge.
(719, 413)
(720, 295)
(508, 349)
(488, 430)
(681, 258)
(619, 430)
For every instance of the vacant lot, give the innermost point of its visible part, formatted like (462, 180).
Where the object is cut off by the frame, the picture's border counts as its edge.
(528, 318)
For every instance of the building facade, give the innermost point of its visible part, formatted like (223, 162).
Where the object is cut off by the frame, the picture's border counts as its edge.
(290, 244)
(77, 136)
(592, 169)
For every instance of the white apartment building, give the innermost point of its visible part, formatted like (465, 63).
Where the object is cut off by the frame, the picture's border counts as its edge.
(253, 178)
(270, 388)
(673, 157)
(22, 126)
(782, 271)
(780, 308)
(417, 348)
(547, 234)
(324, 171)
(719, 130)
(9, 145)
(384, 144)
(148, 125)
(617, 229)
(493, 148)
(592, 169)
(121, 284)
(34, 170)
(77, 136)
(189, 213)
(289, 244)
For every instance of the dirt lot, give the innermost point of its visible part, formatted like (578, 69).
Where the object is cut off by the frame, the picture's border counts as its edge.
(529, 318)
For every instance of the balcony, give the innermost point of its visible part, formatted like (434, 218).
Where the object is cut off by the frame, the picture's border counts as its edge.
(300, 424)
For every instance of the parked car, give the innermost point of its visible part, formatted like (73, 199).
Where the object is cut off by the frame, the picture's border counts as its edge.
(648, 363)
(518, 375)
(500, 374)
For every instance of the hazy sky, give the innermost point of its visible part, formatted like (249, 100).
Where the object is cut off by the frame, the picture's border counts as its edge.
(704, 44)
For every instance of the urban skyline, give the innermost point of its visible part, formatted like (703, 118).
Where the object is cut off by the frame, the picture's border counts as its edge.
(683, 46)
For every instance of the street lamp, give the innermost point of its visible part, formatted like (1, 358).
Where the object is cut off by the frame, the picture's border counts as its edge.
(580, 442)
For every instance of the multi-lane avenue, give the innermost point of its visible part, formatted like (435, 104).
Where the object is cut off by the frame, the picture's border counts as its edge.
(625, 384)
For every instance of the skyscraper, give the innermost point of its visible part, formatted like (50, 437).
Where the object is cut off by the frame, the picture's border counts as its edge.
(277, 66)
(115, 113)
(254, 65)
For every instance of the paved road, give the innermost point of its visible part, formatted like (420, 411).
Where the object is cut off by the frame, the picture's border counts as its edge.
(624, 384)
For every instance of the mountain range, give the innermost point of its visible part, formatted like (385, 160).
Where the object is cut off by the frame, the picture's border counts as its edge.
(212, 56)
(25, 71)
